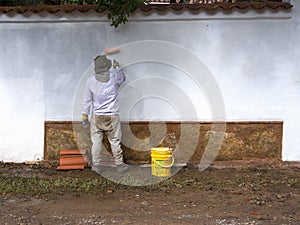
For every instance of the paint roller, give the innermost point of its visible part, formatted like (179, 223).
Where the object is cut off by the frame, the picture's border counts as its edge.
(111, 51)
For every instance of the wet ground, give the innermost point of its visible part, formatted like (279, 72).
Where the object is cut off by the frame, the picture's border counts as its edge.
(239, 192)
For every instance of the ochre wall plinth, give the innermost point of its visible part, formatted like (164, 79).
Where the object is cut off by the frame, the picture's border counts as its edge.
(189, 140)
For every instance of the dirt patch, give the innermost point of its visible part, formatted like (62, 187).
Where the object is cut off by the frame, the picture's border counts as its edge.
(239, 192)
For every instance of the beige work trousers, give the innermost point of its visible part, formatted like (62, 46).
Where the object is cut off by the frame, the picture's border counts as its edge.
(111, 126)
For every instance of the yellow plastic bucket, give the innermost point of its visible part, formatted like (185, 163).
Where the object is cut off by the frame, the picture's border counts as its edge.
(161, 161)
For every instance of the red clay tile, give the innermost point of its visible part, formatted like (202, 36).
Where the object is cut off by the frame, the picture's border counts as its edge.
(70, 167)
(72, 152)
(73, 160)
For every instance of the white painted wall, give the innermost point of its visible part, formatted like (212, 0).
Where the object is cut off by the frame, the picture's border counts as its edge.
(195, 67)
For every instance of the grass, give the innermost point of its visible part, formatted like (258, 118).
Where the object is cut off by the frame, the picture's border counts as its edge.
(45, 186)
(21, 182)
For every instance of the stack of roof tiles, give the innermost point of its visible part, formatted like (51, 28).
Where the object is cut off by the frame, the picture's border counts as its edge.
(155, 6)
(72, 159)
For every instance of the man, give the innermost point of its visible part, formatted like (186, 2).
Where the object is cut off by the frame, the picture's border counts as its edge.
(101, 92)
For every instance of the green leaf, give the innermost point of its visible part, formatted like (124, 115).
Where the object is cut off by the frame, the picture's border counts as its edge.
(118, 11)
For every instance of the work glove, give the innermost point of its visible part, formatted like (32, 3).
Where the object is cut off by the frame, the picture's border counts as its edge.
(116, 64)
(85, 120)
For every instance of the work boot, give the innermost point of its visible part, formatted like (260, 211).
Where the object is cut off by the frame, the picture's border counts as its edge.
(97, 169)
(122, 168)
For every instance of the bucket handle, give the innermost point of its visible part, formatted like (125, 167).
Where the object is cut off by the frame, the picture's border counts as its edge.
(164, 166)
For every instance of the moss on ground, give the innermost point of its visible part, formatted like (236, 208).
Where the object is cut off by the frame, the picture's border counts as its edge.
(41, 181)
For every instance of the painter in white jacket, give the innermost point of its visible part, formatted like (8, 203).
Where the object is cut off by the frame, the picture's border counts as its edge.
(100, 98)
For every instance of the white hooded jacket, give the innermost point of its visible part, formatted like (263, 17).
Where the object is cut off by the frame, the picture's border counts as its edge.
(101, 96)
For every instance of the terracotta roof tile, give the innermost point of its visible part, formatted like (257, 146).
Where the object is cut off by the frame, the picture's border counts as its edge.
(227, 7)
(49, 8)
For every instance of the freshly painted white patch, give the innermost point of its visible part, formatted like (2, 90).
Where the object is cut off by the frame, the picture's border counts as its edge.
(21, 119)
